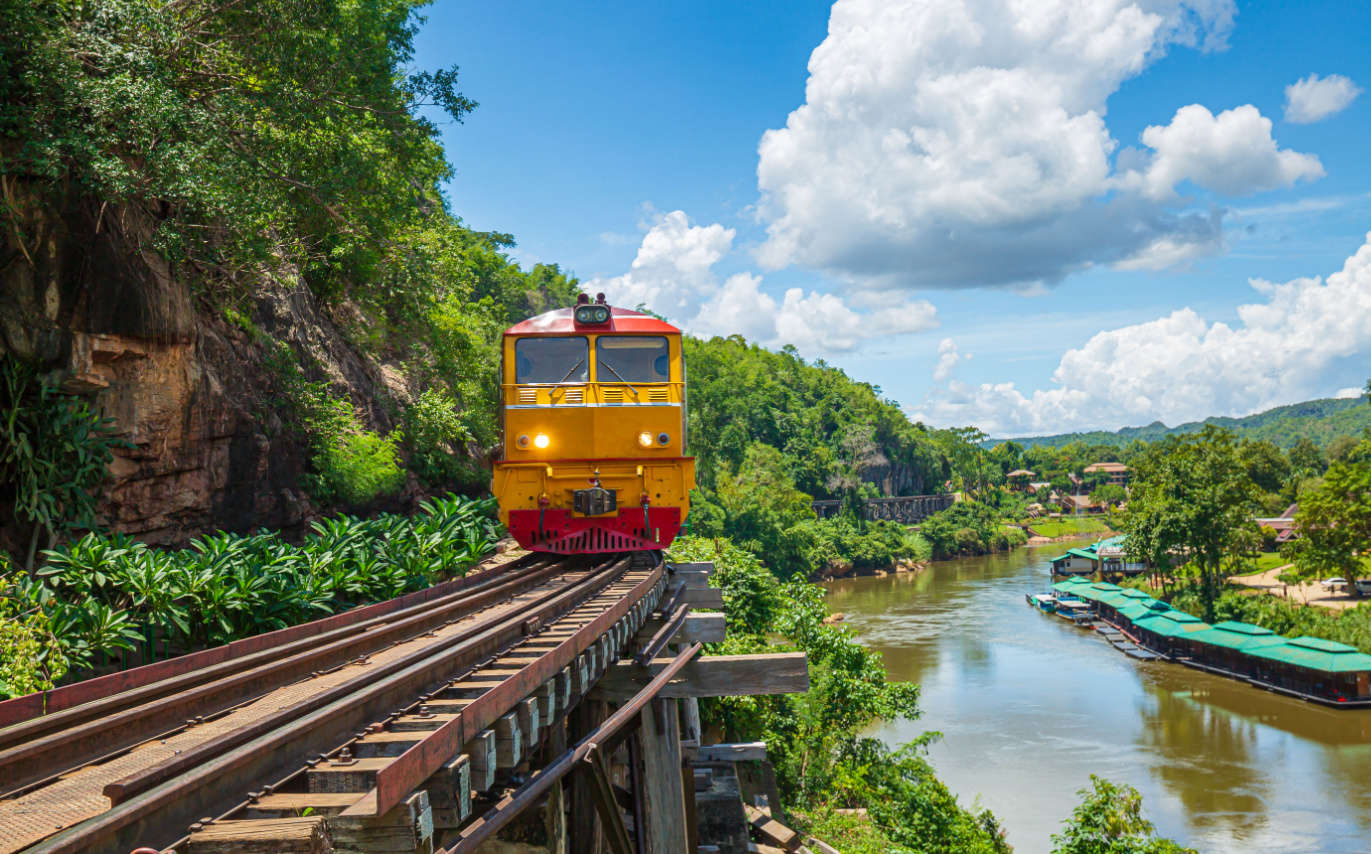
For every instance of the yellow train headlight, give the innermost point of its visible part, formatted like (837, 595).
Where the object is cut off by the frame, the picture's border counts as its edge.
(540, 441)
(523, 441)
(645, 439)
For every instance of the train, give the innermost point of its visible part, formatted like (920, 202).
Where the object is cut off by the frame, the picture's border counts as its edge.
(593, 421)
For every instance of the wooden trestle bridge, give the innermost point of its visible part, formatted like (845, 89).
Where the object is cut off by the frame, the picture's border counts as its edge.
(907, 510)
(558, 688)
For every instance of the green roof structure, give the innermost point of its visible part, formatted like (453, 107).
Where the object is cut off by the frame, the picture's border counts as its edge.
(1081, 553)
(1135, 610)
(1317, 654)
(1070, 584)
(1136, 594)
(1171, 624)
(1239, 636)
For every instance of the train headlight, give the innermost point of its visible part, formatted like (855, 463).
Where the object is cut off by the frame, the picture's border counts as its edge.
(523, 441)
(540, 441)
(663, 438)
(645, 439)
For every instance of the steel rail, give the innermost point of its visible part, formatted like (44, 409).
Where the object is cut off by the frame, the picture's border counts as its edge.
(27, 731)
(20, 709)
(159, 815)
(62, 751)
(411, 768)
(602, 736)
(663, 636)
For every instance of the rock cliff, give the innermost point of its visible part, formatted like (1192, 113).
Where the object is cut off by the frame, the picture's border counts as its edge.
(82, 296)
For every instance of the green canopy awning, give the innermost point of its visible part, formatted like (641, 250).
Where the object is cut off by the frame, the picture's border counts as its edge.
(1171, 624)
(1240, 636)
(1317, 654)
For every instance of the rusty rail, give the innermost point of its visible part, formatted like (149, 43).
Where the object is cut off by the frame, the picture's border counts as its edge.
(396, 780)
(596, 744)
(20, 709)
(159, 814)
(49, 752)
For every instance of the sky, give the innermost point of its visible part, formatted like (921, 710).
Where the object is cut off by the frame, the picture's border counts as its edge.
(1032, 216)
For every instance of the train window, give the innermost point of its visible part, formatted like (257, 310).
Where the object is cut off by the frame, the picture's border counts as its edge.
(632, 359)
(551, 360)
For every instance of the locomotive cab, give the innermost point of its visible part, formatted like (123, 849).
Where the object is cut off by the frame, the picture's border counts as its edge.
(593, 405)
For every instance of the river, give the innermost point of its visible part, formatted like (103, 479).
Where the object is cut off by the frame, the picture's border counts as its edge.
(1030, 706)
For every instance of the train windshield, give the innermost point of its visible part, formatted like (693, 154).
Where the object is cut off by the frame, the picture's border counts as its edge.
(632, 359)
(552, 360)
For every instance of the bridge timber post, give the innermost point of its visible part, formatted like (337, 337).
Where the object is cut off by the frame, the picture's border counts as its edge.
(906, 510)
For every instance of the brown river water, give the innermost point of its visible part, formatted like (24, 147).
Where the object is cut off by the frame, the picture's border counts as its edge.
(1029, 706)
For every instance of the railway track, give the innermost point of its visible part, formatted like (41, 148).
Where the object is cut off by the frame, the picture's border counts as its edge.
(385, 725)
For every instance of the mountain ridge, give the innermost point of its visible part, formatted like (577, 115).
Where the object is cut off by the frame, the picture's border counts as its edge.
(1321, 420)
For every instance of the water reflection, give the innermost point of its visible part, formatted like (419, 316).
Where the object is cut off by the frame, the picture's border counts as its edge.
(1030, 706)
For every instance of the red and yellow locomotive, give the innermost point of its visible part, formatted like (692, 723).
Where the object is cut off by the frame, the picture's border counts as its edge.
(593, 405)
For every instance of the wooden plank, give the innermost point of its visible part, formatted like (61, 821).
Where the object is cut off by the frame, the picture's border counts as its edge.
(659, 740)
(407, 828)
(293, 804)
(449, 793)
(706, 567)
(822, 847)
(711, 676)
(702, 626)
(772, 830)
(484, 760)
(530, 721)
(509, 741)
(710, 597)
(746, 751)
(420, 723)
(375, 744)
(307, 835)
(360, 776)
(690, 579)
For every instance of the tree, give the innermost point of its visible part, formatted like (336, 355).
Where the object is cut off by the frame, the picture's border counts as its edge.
(1265, 464)
(1306, 460)
(1191, 495)
(1109, 821)
(1109, 495)
(1334, 519)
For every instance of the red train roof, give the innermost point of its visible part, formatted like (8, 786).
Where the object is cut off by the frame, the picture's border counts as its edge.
(561, 322)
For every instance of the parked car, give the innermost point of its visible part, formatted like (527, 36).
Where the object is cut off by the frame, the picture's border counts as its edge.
(1330, 583)
(1363, 586)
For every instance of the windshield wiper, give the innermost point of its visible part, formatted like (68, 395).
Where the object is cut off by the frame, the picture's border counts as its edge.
(572, 371)
(621, 379)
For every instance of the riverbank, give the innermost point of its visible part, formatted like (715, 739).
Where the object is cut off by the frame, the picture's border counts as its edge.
(1028, 710)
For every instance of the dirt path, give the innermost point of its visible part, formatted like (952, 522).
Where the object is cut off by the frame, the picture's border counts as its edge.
(1306, 594)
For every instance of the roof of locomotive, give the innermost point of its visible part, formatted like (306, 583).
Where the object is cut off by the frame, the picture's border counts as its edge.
(562, 322)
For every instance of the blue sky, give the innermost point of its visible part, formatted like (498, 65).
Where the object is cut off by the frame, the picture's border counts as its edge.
(926, 209)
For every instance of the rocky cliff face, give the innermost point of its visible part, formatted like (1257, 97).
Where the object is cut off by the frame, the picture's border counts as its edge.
(186, 387)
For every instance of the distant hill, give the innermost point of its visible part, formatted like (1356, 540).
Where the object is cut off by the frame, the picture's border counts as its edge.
(1320, 420)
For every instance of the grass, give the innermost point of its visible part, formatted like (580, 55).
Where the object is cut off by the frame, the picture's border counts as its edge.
(1070, 526)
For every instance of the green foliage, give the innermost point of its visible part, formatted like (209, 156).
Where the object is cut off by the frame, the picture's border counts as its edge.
(969, 527)
(435, 430)
(1334, 518)
(101, 597)
(815, 739)
(31, 657)
(246, 129)
(351, 464)
(1190, 495)
(1109, 820)
(826, 424)
(54, 451)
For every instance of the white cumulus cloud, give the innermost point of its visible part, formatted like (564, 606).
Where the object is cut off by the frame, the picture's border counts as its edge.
(1179, 368)
(1315, 98)
(673, 275)
(1232, 153)
(963, 142)
(949, 357)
